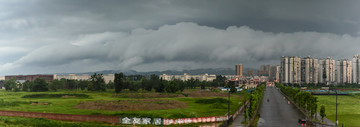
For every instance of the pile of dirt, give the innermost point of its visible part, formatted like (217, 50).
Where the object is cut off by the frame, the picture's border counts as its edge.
(67, 96)
(185, 93)
(131, 105)
(39, 103)
(147, 95)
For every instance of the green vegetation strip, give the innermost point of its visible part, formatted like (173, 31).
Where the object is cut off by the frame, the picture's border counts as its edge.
(66, 106)
(348, 109)
(56, 96)
(212, 101)
(7, 103)
(41, 122)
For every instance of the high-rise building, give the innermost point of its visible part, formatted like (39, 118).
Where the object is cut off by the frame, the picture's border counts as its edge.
(264, 70)
(327, 71)
(344, 71)
(290, 69)
(356, 69)
(309, 70)
(274, 73)
(239, 69)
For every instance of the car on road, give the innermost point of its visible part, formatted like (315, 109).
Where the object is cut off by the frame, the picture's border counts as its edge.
(302, 122)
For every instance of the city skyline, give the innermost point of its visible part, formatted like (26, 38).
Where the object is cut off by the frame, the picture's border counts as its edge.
(44, 37)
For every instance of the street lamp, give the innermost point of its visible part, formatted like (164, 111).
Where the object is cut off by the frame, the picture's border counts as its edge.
(229, 85)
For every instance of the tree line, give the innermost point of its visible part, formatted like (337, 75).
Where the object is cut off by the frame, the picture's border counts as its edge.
(157, 84)
(304, 99)
(95, 83)
(254, 100)
(121, 82)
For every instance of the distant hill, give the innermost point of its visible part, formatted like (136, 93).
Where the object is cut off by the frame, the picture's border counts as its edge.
(216, 71)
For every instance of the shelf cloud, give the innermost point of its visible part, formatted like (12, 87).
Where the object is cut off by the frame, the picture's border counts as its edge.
(183, 45)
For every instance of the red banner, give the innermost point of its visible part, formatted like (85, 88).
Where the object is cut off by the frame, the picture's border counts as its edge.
(190, 120)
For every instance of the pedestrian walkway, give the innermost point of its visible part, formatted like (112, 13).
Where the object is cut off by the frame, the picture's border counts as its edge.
(238, 121)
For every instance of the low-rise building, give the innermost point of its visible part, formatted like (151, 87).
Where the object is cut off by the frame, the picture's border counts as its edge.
(107, 78)
(185, 77)
(30, 77)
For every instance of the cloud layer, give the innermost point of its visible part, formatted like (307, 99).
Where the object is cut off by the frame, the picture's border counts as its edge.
(40, 36)
(184, 45)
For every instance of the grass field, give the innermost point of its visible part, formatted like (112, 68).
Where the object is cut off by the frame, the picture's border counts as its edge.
(67, 105)
(348, 109)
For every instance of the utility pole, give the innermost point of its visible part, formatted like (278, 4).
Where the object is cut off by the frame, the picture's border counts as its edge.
(337, 122)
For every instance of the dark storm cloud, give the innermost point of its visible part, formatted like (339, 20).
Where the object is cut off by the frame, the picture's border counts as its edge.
(186, 45)
(39, 36)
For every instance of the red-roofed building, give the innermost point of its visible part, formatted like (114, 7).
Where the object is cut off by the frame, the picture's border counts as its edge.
(30, 77)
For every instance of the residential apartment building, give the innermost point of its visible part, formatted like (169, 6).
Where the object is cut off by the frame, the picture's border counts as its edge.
(344, 71)
(356, 69)
(290, 69)
(107, 78)
(239, 69)
(204, 77)
(264, 70)
(309, 70)
(274, 73)
(327, 71)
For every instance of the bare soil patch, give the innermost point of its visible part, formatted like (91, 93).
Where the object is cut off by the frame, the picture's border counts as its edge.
(147, 95)
(204, 93)
(131, 105)
(67, 96)
(185, 93)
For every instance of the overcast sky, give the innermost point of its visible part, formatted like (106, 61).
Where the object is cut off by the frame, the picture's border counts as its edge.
(57, 36)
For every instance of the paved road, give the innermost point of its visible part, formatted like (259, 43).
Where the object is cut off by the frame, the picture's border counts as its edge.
(276, 112)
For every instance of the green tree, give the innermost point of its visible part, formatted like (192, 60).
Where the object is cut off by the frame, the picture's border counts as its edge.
(232, 87)
(322, 112)
(245, 114)
(144, 82)
(154, 81)
(171, 87)
(110, 85)
(118, 82)
(246, 110)
(10, 84)
(97, 82)
(182, 85)
(27, 85)
(126, 83)
(83, 84)
(39, 85)
(134, 86)
(71, 84)
(192, 83)
(55, 84)
(160, 87)
(202, 85)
